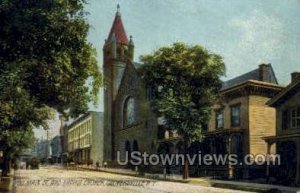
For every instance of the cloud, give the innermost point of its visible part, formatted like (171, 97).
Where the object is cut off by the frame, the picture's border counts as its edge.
(261, 35)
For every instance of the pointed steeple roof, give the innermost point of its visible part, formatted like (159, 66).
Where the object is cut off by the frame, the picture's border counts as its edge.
(117, 30)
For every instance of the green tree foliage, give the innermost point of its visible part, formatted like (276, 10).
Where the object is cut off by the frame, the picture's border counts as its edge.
(19, 113)
(46, 63)
(47, 40)
(185, 80)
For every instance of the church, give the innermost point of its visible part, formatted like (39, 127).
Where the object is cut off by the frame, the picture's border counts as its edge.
(130, 125)
(238, 125)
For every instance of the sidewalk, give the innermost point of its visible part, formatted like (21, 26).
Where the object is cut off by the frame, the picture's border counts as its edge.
(6, 183)
(236, 185)
(244, 185)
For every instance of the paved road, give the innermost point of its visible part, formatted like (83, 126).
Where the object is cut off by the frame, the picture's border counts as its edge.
(59, 180)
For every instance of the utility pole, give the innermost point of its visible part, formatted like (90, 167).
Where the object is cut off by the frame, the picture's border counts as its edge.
(47, 146)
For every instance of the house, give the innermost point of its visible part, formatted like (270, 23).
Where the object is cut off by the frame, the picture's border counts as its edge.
(287, 135)
(241, 118)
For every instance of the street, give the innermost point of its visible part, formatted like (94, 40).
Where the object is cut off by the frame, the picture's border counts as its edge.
(59, 180)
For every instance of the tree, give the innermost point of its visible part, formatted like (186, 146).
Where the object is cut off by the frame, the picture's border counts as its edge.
(46, 40)
(185, 81)
(13, 143)
(18, 115)
(46, 63)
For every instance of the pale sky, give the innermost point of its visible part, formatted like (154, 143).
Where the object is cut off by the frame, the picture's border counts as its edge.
(245, 32)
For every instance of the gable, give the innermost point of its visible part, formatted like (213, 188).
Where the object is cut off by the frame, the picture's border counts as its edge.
(130, 82)
(293, 101)
(289, 92)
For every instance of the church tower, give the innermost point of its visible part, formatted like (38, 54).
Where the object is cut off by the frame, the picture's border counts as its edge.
(117, 52)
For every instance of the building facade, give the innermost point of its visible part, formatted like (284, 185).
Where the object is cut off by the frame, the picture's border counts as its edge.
(287, 136)
(241, 118)
(85, 139)
(56, 149)
(128, 118)
(43, 149)
(238, 122)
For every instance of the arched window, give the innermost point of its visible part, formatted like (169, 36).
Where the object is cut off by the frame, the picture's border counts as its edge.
(127, 147)
(125, 150)
(129, 111)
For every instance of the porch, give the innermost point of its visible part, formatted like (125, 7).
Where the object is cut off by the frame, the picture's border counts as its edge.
(288, 147)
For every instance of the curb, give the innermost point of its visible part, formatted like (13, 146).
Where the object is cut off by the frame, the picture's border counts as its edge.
(6, 183)
(189, 181)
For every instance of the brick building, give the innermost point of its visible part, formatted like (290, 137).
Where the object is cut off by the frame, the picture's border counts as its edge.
(85, 139)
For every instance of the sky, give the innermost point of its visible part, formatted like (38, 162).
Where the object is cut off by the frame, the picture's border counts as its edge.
(245, 33)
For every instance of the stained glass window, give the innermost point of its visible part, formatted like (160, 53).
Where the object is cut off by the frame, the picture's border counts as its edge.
(129, 111)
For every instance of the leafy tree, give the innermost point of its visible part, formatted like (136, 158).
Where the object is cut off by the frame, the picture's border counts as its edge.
(47, 41)
(18, 115)
(185, 81)
(45, 62)
(13, 143)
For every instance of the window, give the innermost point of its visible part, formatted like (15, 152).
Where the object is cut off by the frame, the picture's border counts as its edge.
(295, 118)
(285, 122)
(220, 119)
(235, 115)
(129, 111)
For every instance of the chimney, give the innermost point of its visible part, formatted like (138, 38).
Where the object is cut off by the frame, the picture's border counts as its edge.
(295, 76)
(264, 72)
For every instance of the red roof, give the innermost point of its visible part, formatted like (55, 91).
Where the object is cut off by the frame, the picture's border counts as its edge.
(118, 30)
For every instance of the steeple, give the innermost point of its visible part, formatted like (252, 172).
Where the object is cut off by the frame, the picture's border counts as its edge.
(131, 49)
(118, 10)
(118, 29)
(117, 54)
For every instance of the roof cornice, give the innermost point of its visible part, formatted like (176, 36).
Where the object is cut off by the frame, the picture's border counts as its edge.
(285, 91)
(252, 83)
